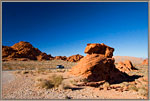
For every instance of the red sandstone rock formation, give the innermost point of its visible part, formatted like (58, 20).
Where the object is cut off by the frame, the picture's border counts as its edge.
(98, 64)
(22, 50)
(125, 66)
(99, 49)
(74, 58)
(145, 62)
(60, 57)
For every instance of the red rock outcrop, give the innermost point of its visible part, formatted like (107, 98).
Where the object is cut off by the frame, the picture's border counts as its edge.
(6, 51)
(98, 64)
(26, 50)
(145, 62)
(22, 50)
(60, 57)
(74, 58)
(99, 49)
(125, 66)
(43, 56)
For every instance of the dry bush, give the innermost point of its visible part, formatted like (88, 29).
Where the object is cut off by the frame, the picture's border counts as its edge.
(84, 80)
(73, 82)
(50, 82)
(106, 85)
(47, 84)
(56, 80)
(132, 87)
(142, 91)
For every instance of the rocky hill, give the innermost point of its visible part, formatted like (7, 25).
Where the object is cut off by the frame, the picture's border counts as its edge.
(25, 51)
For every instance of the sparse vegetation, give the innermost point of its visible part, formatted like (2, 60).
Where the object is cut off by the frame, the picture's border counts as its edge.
(47, 84)
(84, 80)
(31, 65)
(50, 82)
(56, 80)
(73, 82)
(106, 85)
(133, 87)
(142, 91)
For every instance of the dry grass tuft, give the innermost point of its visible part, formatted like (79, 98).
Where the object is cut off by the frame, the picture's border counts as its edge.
(47, 84)
(132, 87)
(142, 91)
(56, 80)
(106, 85)
(50, 82)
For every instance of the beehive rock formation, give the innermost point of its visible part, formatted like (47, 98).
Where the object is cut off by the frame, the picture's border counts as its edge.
(145, 62)
(98, 64)
(74, 58)
(23, 50)
(125, 66)
(99, 49)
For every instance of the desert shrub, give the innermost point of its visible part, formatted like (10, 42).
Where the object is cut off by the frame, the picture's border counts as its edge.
(47, 84)
(73, 82)
(56, 80)
(106, 85)
(50, 82)
(84, 80)
(132, 87)
(142, 91)
(40, 70)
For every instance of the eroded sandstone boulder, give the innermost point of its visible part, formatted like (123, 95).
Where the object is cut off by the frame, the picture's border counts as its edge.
(145, 62)
(74, 58)
(98, 65)
(99, 49)
(125, 66)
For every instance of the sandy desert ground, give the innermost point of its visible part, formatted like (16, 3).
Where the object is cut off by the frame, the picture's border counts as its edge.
(27, 84)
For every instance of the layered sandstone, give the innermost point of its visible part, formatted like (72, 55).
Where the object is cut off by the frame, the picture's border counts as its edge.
(98, 64)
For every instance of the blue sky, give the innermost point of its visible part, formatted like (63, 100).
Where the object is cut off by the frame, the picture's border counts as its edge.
(63, 28)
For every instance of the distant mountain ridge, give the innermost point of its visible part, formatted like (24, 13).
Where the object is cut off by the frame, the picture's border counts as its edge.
(134, 60)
